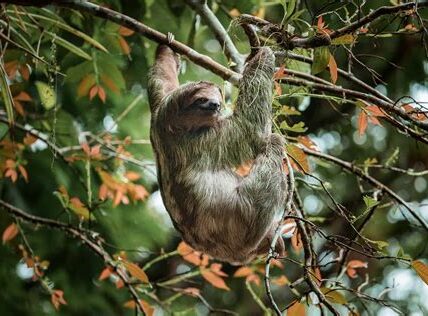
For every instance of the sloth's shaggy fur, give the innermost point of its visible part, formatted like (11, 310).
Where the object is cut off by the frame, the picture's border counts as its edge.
(218, 211)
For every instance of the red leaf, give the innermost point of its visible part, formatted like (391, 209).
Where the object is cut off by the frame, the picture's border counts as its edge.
(124, 45)
(57, 298)
(23, 96)
(280, 73)
(353, 265)
(10, 232)
(375, 111)
(362, 123)
(243, 272)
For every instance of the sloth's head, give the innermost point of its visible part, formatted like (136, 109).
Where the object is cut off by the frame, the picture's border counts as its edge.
(196, 105)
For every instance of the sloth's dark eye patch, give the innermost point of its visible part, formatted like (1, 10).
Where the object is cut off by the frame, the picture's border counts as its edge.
(205, 105)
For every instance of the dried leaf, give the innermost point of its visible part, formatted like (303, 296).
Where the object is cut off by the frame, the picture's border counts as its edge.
(105, 273)
(297, 309)
(362, 122)
(243, 272)
(296, 241)
(147, 308)
(102, 94)
(421, 269)
(299, 158)
(93, 92)
(280, 281)
(124, 46)
(135, 271)
(334, 296)
(124, 31)
(333, 69)
(10, 232)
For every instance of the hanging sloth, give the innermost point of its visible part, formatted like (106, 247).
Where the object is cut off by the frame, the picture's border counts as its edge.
(224, 213)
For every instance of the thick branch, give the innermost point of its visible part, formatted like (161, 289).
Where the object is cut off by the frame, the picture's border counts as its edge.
(152, 34)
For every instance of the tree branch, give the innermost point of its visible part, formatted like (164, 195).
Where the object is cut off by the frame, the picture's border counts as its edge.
(201, 7)
(361, 174)
(87, 237)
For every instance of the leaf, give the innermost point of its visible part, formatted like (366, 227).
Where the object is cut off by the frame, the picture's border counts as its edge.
(6, 94)
(370, 202)
(344, 39)
(243, 272)
(296, 128)
(79, 208)
(124, 31)
(93, 92)
(296, 241)
(102, 94)
(47, 95)
(214, 279)
(124, 46)
(421, 269)
(307, 142)
(321, 59)
(85, 84)
(105, 273)
(281, 281)
(57, 298)
(333, 69)
(299, 158)
(10, 232)
(375, 111)
(297, 309)
(362, 122)
(353, 265)
(135, 271)
(23, 96)
(191, 255)
(334, 296)
(147, 308)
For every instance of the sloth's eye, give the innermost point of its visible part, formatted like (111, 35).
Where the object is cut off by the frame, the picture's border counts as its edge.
(200, 101)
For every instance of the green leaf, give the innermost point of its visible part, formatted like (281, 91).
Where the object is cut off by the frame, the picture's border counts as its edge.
(393, 158)
(297, 128)
(6, 94)
(334, 296)
(288, 110)
(344, 39)
(321, 59)
(47, 95)
(370, 202)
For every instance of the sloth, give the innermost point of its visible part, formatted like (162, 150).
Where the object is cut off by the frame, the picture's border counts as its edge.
(219, 210)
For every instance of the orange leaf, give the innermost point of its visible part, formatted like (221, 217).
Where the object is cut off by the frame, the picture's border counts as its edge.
(253, 278)
(362, 123)
(93, 92)
(333, 69)
(243, 272)
(10, 232)
(57, 298)
(296, 241)
(23, 172)
(119, 284)
(132, 176)
(12, 174)
(87, 82)
(25, 72)
(244, 169)
(299, 160)
(216, 268)
(297, 309)
(214, 280)
(23, 96)
(307, 142)
(124, 31)
(375, 111)
(105, 273)
(191, 255)
(234, 13)
(320, 23)
(102, 94)
(353, 265)
(147, 309)
(109, 83)
(280, 281)
(421, 269)
(374, 120)
(278, 89)
(280, 73)
(124, 45)
(29, 139)
(135, 271)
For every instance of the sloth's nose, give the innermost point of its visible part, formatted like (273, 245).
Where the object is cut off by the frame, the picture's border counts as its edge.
(210, 105)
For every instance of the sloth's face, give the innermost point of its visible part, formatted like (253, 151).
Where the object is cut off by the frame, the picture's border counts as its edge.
(199, 106)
